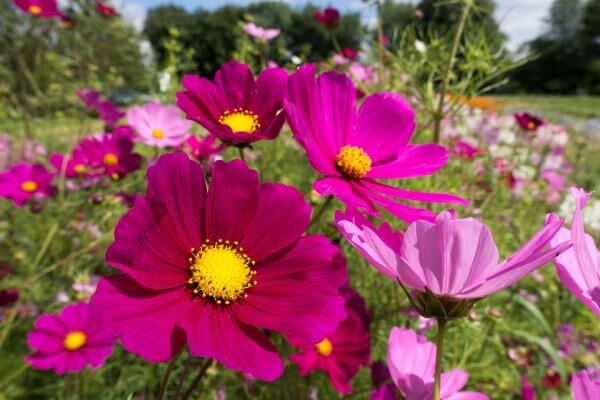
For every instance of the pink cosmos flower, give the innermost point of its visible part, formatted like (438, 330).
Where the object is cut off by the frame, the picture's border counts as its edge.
(109, 112)
(25, 181)
(579, 267)
(349, 53)
(556, 184)
(528, 392)
(39, 8)
(527, 121)
(584, 386)
(259, 32)
(205, 151)
(105, 9)
(329, 17)
(158, 125)
(450, 259)
(70, 341)
(342, 353)
(464, 149)
(353, 150)
(236, 108)
(210, 266)
(411, 360)
(89, 97)
(111, 155)
(76, 166)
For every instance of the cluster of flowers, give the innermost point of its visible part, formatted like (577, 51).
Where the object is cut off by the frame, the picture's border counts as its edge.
(49, 9)
(210, 265)
(523, 149)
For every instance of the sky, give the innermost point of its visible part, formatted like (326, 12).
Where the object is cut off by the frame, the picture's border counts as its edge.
(520, 20)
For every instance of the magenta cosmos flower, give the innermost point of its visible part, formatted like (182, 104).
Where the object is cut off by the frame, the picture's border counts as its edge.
(261, 33)
(527, 121)
(105, 9)
(76, 166)
(342, 353)
(329, 17)
(352, 150)
(110, 155)
(25, 181)
(451, 258)
(411, 360)
(39, 8)
(210, 266)
(236, 108)
(70, 341)
(158, 125)
(584, 386)
(579, 267)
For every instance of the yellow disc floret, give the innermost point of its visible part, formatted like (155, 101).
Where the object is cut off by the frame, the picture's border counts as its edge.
(35, 10)
(29, 186)
(353, 162)
(80, 168)
(110, 159)
(158, 133)
(240, 120)
(74, 340)
(221, 271)
(324, 347)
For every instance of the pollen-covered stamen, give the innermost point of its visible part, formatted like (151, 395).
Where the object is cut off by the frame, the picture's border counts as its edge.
(74, 340)
(221, 271)
(158, 133)
(353, 162)
(110, 159)
(240, 120)
(29, 186)
(324, 347)
(35, 10)
(80, 168)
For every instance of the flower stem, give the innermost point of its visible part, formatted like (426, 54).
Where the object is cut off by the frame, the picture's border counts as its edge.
(241, 150)
(319, 213)
(438, 357)
(165, 381)
(197, 379)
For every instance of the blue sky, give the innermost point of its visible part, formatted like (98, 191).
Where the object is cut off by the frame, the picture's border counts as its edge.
(521, 20)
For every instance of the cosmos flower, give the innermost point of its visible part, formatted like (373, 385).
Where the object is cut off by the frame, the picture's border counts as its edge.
(67, 22)
(349, 53)
(89, 97)
(353, 150)
(528, 121)
(411, 360)
(585, 387)
(39, 8)
(208, 266)
(259, 32)
(449, 263)
(579, 267)
(158, 125)
(76, 166)
(109, 112)
(236, 108)
(464, 149)
(205, 151)
(110, 155)
(70, 341)
(25, 181)
(342, 353)
(329, 17)
(105, 9)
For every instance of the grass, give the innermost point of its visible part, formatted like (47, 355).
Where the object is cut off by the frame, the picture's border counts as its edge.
(583, 107)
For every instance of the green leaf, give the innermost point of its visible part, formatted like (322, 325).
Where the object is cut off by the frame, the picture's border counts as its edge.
(536, 313)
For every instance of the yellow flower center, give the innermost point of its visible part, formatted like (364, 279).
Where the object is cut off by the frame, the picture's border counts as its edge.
(80, 169)
(29, 186)
(158, 133)
(35, 10)
(240, 120)
(353, 162)
(324, 347)
(74, 340)
(110, 159)
(221, 271)
(531, 125)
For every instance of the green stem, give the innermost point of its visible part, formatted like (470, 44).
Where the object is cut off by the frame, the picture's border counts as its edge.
(197, 379)
(439, 113)
(241, 150)
(319, 213)
(165, 381)
(438, 357)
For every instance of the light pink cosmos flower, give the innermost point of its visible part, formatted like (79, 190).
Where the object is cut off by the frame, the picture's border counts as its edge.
(353, 149)
(70, 341)
(585, 387)
(579, 267)
(411, 360)
(261, 33)
(25, 181)
(451, 258)
(157, 125)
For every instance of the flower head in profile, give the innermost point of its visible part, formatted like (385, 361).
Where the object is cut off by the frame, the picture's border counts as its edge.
(70, 341)
(39, 8)
(105, 9)
(329, 17)
(89, 97)
(109, 112)
(411, 360)
(342, 353)
(585, 385)
(209, 266)
(236, 108)
(205, 151)
(158, 125)
(110, 155)
(579, 267)
(527, 121)
(259, 32)
(354, 149)
(449, 263)
(25, 181)
(67, 22)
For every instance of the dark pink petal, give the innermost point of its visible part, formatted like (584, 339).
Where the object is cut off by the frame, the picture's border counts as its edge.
(411, 161)
(347, 192)
(202, 102)
(337, 107)
(45, 361)
(427, 197)
(405, 212)
(44, 341)
(270, 131)
(236, 82)
(232, 200)
(267, 99)
(280, 219)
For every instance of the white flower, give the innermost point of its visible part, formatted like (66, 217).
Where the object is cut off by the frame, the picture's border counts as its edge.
(420, 46)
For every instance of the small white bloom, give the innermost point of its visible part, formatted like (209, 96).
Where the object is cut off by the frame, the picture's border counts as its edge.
(420, 46)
